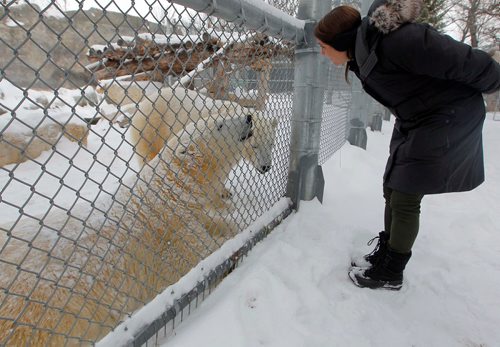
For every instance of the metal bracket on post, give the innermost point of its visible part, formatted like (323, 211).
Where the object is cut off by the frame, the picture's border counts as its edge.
(357, 133)
(297, 189)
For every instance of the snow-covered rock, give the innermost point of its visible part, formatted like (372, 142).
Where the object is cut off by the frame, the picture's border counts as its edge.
(18, 147)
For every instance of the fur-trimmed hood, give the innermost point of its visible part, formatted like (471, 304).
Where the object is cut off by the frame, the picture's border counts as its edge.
(389, 15)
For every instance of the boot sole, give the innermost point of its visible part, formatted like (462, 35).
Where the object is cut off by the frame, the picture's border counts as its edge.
(363, 282)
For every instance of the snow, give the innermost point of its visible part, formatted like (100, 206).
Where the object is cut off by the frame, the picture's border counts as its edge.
(293, 289)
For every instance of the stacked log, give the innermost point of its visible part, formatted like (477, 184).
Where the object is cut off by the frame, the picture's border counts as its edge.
(145, 57)
(148, 58)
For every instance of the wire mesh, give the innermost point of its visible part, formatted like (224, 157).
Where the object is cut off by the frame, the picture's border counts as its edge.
(135, 139)
(335, 113)
(289, 7)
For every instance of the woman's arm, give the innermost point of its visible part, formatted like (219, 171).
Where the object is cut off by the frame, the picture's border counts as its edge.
(422, 50)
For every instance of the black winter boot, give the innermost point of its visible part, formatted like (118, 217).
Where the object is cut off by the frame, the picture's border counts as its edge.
(372, 258)
(386, 274)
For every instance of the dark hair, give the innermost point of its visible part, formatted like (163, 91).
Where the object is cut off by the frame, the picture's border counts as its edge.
(340, 20)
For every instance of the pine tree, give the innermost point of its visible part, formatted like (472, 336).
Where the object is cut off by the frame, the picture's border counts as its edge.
(433, 13)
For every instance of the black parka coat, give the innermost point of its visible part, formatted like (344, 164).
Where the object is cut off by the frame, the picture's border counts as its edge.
(433, 85)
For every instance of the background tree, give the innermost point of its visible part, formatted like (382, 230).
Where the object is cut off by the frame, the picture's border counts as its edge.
(477, 21)
(434, 13)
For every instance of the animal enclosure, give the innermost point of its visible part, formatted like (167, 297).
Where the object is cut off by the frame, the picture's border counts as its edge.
(139, 144)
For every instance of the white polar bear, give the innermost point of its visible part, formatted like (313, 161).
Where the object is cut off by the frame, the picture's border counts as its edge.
(159, 226)
(159, 115)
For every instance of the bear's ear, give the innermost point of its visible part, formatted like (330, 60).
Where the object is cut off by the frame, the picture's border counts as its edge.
(247, 132)
(249, 119)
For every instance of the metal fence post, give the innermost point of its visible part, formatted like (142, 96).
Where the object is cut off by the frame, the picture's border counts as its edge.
(361, 105)
(305, 180)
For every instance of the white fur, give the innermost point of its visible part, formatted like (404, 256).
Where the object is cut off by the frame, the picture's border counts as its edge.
(162, 114)
(394, 13)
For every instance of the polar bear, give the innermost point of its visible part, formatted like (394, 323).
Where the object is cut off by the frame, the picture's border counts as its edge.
(159, 115)
(77, 285)
(124, 93)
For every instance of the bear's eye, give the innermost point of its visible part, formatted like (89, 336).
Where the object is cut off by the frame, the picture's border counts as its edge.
(219, 127)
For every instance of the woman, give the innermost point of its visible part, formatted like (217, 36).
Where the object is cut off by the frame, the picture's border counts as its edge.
(433, 85)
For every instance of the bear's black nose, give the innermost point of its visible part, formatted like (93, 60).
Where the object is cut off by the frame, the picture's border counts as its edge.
(265, 168)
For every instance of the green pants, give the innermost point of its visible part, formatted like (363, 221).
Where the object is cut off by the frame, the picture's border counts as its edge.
(401, 219)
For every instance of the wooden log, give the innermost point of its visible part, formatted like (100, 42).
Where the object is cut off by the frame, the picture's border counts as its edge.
(177, 64)
(141, 58)
(205, 64)
(94, 66)
(126, 41)
(148, 49)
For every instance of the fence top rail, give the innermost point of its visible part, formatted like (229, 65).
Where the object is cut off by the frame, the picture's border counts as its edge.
(253, 14)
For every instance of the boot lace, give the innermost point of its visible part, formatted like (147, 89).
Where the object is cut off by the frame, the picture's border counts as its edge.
(377, 246)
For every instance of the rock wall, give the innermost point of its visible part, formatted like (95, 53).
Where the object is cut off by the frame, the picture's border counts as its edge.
(49, 52)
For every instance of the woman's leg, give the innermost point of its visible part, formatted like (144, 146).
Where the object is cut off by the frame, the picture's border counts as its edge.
(387, 210)
(404, 220)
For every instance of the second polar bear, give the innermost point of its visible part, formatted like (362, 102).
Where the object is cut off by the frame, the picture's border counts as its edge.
(160, 115)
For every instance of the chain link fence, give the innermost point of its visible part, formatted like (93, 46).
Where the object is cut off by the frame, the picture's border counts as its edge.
(335, 113)
(135, 140)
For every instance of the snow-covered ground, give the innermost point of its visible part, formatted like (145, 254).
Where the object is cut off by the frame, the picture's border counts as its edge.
(293, 290)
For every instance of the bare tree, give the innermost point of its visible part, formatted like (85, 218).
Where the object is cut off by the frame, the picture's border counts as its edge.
(477, 20)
